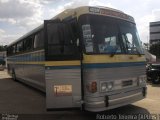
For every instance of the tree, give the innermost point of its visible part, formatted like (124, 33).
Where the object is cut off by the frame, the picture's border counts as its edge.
(155, 49)
(3, 48)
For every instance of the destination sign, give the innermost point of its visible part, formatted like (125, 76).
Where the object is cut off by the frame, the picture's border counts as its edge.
(112, 13)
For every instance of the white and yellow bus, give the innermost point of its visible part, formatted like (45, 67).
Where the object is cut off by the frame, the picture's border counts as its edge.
(87, 57)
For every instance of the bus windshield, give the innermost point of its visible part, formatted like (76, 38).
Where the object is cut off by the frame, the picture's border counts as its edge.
(106, 35)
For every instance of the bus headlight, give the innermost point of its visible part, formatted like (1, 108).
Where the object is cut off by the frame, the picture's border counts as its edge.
(142, 80)
(110, 85)
(106, 86)
(103, 87)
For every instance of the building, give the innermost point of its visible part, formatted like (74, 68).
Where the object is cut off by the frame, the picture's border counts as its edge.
(154, 32)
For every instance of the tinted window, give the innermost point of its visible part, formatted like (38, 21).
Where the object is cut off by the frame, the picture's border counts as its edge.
(39, 40)
(61, 41)
(28, 43)
(130, 38)
(107, 35)
(53, 34)
(14, 48)
(19, 47)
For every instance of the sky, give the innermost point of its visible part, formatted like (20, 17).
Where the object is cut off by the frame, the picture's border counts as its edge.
(17, 17)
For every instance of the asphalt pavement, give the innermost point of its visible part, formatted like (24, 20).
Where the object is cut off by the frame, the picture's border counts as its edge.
(22, 102)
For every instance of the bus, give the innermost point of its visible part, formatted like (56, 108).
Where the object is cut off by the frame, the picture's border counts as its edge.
(88, 57)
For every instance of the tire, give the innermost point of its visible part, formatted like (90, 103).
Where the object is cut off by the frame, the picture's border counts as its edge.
(14, 75)
(156, 79)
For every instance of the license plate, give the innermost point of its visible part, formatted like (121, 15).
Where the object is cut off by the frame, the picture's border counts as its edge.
(62, 90)
(127, 83)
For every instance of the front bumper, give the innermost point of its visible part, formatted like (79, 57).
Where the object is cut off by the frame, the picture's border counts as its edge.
(115, 100)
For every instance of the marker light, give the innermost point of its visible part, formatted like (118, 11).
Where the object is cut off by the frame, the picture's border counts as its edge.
(92, 87)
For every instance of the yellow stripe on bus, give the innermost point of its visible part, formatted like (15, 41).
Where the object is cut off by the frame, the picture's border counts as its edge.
(90, 59)
(50, 63)
(114, 59)
(62, 63)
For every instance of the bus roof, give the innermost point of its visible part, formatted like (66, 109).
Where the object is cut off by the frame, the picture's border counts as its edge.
(98, 10)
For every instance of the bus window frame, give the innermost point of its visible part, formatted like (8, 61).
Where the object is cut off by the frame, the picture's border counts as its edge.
(41, 47)
(58, 57)
(17, 49)
(120, 37)
(26, 39)
(78, 34)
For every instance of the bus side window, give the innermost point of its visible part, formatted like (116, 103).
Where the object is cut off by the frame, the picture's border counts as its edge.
(53, 35)
(19, 47)
(69, 41)
(14, 49)
(61, 42)
(39, 40)
(28, 43)
(72, 47)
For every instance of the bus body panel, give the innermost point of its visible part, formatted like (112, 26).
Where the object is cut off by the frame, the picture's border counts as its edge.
(63, 86)
(113, 69)
(29, 68)
(32, 75)
(120, 95)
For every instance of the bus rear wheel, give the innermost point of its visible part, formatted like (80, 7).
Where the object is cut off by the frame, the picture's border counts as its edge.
(14, 75)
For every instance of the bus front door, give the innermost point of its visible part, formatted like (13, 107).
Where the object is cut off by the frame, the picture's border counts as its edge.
(62, 67)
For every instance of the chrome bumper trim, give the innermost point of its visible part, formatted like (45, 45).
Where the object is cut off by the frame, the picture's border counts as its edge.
(113, 101)
(126, 97)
